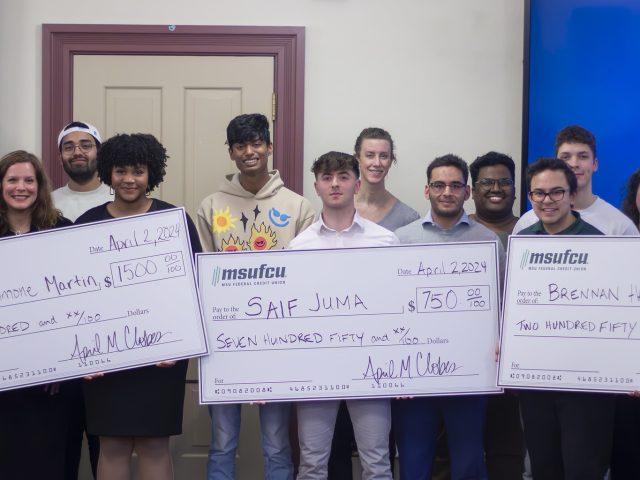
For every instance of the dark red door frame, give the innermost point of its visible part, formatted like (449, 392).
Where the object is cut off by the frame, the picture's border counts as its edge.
(61, 42)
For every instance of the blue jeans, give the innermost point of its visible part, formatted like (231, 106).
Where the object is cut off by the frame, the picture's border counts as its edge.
(416, 424)
(225, 430)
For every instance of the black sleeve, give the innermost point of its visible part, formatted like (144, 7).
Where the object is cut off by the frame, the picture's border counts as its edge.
(193, 235)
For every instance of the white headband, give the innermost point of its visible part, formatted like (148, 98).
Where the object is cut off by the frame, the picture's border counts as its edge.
(90, 129)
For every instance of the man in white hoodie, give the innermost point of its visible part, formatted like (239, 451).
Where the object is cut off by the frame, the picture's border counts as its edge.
(253, 210)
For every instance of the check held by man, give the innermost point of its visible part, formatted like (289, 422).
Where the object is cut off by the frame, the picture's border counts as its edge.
(337, 322)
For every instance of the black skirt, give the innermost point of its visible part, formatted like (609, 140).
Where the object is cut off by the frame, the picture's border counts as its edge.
(141, 402)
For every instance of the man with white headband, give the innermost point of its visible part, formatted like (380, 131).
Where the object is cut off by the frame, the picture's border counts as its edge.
(78, 144)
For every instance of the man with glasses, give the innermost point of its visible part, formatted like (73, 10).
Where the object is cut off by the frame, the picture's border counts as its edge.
(493, 193)
(417, 421)
(78, 143)
(569, 434)
(576, 146)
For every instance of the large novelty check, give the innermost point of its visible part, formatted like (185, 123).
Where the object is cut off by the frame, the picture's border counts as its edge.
(572, 314)
(349, 323)
(97, 297)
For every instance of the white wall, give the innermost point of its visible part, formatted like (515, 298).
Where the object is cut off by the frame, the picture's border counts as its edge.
(441, 75)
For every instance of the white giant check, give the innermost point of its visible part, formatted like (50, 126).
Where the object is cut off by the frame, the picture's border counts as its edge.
(97, 297)
(572, 314)
(349, 323)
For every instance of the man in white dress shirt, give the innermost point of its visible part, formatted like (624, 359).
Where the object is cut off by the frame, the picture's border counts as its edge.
(339, 225)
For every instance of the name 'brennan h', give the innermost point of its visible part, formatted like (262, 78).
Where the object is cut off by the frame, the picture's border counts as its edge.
(557, 292)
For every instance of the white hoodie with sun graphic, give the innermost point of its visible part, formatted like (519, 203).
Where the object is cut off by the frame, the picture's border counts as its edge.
(234, 219)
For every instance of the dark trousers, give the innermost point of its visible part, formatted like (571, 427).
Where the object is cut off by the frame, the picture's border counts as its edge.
(568, 434)
(76, 427)
(417, 422)
(504, 439)
(625, 456)
(33, 429)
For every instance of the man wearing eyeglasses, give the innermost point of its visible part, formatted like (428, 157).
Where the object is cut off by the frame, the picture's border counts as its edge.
(78, 143)
(576, 146)
(418, 420)
(493, 193)
(569, 434)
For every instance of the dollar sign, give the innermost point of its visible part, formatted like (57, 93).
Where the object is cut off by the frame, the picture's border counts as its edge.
(412, 306)
(107, 281)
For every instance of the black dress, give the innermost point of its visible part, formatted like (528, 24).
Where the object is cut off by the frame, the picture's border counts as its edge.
(33, 426)
(141, 402)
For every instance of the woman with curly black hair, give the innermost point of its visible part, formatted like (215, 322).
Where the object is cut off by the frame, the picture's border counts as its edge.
(138, 409)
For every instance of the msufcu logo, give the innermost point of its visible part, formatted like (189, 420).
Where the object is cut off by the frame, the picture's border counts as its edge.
(263, 272)
(567, 259)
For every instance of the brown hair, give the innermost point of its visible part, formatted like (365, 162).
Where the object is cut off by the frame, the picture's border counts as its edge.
(375, 133)
(43, 214)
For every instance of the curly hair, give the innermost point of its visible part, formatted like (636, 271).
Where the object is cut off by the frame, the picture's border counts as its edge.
(130, 150)
(43, 214)
(375, 133)
(489, 160)
(629, 206)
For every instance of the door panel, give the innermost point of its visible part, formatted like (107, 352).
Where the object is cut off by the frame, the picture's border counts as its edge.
(186, 102)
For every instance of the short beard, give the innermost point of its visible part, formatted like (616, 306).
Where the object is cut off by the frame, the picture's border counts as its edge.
(81, 177)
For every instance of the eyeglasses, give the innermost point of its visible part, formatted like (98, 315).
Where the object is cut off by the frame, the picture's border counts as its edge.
(85, 146)
(488, 183)
(440, 187)
(539, 196)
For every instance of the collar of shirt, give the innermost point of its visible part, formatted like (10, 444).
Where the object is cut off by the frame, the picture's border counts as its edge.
(356, 226)
(428, 220)
(538, 228)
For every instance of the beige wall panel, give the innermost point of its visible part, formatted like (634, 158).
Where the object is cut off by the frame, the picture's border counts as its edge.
(205, 153)
(186, 102)
(132, 110)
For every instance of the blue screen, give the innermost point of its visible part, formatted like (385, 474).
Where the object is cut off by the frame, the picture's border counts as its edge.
(584, 69)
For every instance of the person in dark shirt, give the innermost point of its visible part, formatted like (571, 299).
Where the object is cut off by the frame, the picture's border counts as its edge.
(32, 419)
(568, 434)
(494, 193)
(137, 409)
